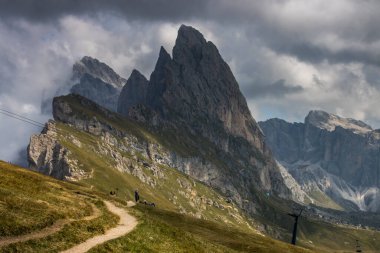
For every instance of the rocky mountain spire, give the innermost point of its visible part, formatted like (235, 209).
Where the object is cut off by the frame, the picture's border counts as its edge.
(198, 86)
(133, 93)
(97, 81)
(196, 93)
(97, 69)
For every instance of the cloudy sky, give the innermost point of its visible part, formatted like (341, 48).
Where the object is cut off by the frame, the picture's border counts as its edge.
(288, 56)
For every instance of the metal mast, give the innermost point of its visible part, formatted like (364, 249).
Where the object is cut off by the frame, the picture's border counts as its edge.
(295, 216)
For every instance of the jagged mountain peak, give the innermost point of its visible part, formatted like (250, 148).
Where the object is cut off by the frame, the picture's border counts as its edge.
(98, 69)
(163, 57)
(198, 86)
(89, 60)
(189, 36)
(329, 122)
(136, 75)
(196, 92)
(133, 92)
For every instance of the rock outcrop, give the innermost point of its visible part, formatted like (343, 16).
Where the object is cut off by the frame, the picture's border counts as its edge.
(46, 155)
(97, 81)
(337, 155)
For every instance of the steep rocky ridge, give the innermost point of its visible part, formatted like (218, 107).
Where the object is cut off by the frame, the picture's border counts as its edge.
(182, 152)
(338, 156)
(195, 95)
(111, 151)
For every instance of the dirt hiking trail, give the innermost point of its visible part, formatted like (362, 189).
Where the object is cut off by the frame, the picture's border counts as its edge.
(126, 224)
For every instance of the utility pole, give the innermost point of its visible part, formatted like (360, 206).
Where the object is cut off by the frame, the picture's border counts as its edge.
(295, 216)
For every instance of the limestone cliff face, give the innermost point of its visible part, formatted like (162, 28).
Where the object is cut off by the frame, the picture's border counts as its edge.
(344, 152)
(97, 81)
(48, 156)
(194, 92)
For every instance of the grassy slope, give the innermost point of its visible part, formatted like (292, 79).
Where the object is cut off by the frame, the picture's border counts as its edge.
(106, 178)
(337, 239)
(164, 231)
(30, 201)
(317, 235)
(158, 230)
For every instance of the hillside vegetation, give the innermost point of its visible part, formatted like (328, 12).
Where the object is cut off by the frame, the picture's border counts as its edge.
(30, 202)
(27, 198)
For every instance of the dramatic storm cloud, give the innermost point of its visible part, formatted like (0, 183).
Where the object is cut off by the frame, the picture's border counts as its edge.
(288, 56)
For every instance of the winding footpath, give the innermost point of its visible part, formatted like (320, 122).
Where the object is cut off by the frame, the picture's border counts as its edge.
(126, 224)
(57, 226)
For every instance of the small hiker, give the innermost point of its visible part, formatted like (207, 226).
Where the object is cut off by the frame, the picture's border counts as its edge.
(137, 196)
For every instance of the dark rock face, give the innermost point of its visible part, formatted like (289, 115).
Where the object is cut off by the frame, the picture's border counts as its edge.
(98, 82)
(345, 148)
(198, 86)
(95, 89)
(133, 93)
(97, 69)
(286, 140)
(195, 93)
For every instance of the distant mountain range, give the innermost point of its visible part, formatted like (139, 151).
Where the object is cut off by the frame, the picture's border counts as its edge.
(330, 155)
